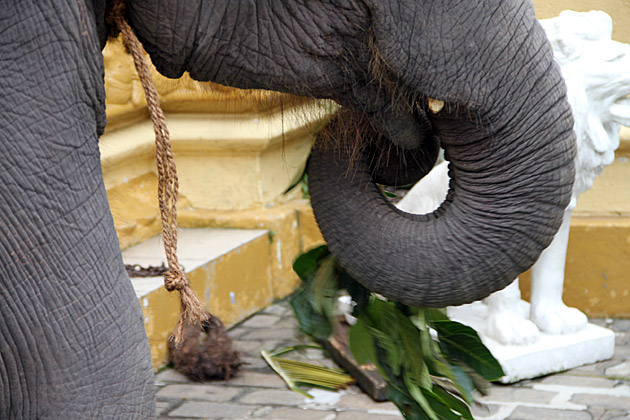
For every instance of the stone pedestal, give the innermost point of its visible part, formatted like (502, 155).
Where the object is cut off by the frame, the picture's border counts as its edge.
(549, 354)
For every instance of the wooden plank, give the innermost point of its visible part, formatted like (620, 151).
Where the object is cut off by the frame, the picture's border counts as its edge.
(367, 376)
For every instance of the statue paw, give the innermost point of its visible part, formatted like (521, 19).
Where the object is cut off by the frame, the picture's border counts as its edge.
(511, 328)
(522, 307)
(557, 318)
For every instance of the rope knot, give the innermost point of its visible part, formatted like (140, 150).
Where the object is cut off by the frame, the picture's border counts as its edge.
(175, 279)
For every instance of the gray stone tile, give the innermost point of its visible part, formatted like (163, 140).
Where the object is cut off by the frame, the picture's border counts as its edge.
(362, 402)
(603, 414)
(237, 332)
(273, 397)
(594, 369)
(261, 411)
(260, 321)
(621, 370)
(255, 379)
(247, 346)
(286, 413)
(287, 322)
(354, 415)
(252, 348)
(484, 410)
(271, 334)
(280, 309)
(209, 410)
(602, 322)
(254, 362)
(621, 325)
(534, 413)
(257, 393)
(512, 394)
(161, 407)
(199, 392)
(269, 345)
(604, 401)
(170, 376)
(579, 380)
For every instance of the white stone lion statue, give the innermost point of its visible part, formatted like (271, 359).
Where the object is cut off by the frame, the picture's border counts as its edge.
(597, 73)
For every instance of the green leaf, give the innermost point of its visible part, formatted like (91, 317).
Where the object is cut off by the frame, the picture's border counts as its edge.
(458, 378)
(420, 398)
(462, 343)
(314, 302)
(306, 264)
(463, 382)
(324, 287)
(362, 343)
(382, 322)
(311, 323)
(408, 407)
(419, 319)
(412, 349)
(453, 403)
(440, 407)
(391, 348)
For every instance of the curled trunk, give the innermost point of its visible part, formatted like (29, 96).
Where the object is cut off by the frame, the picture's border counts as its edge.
(506, 199)
(507, 130)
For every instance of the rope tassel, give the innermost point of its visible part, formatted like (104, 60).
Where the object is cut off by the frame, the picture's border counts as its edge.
(192, 310)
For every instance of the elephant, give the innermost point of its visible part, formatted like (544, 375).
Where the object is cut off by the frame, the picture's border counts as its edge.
(476, 78)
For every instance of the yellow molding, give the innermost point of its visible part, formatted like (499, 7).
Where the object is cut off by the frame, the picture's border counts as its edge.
(224, 161)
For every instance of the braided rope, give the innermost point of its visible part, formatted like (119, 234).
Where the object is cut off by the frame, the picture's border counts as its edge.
(192, 311)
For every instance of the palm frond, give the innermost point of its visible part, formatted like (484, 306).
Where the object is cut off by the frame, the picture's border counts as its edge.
(295, 372)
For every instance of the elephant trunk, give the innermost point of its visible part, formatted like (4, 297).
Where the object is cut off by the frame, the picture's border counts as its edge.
(511, 179)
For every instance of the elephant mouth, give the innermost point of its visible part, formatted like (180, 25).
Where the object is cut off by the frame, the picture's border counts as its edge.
(399, 147)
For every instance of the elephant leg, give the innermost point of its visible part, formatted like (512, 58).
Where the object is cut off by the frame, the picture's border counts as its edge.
(72, 342)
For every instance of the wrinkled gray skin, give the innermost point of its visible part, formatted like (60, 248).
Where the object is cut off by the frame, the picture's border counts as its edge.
(72, 343)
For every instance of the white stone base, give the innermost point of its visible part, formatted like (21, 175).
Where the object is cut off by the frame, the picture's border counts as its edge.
(550, 354)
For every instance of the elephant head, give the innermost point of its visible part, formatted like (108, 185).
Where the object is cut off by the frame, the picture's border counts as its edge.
(72, 342)
(504, 123)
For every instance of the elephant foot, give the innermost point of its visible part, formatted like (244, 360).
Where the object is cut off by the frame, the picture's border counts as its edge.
(557, 318)
(512, 327)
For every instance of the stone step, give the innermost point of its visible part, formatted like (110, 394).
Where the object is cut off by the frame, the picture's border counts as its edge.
(228, 268)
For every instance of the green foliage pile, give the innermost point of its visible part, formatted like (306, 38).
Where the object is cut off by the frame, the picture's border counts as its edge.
(432, 365)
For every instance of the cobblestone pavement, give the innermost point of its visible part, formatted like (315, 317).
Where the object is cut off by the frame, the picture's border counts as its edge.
(599, 391)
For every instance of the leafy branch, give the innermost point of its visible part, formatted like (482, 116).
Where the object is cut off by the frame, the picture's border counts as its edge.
(432, 365)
